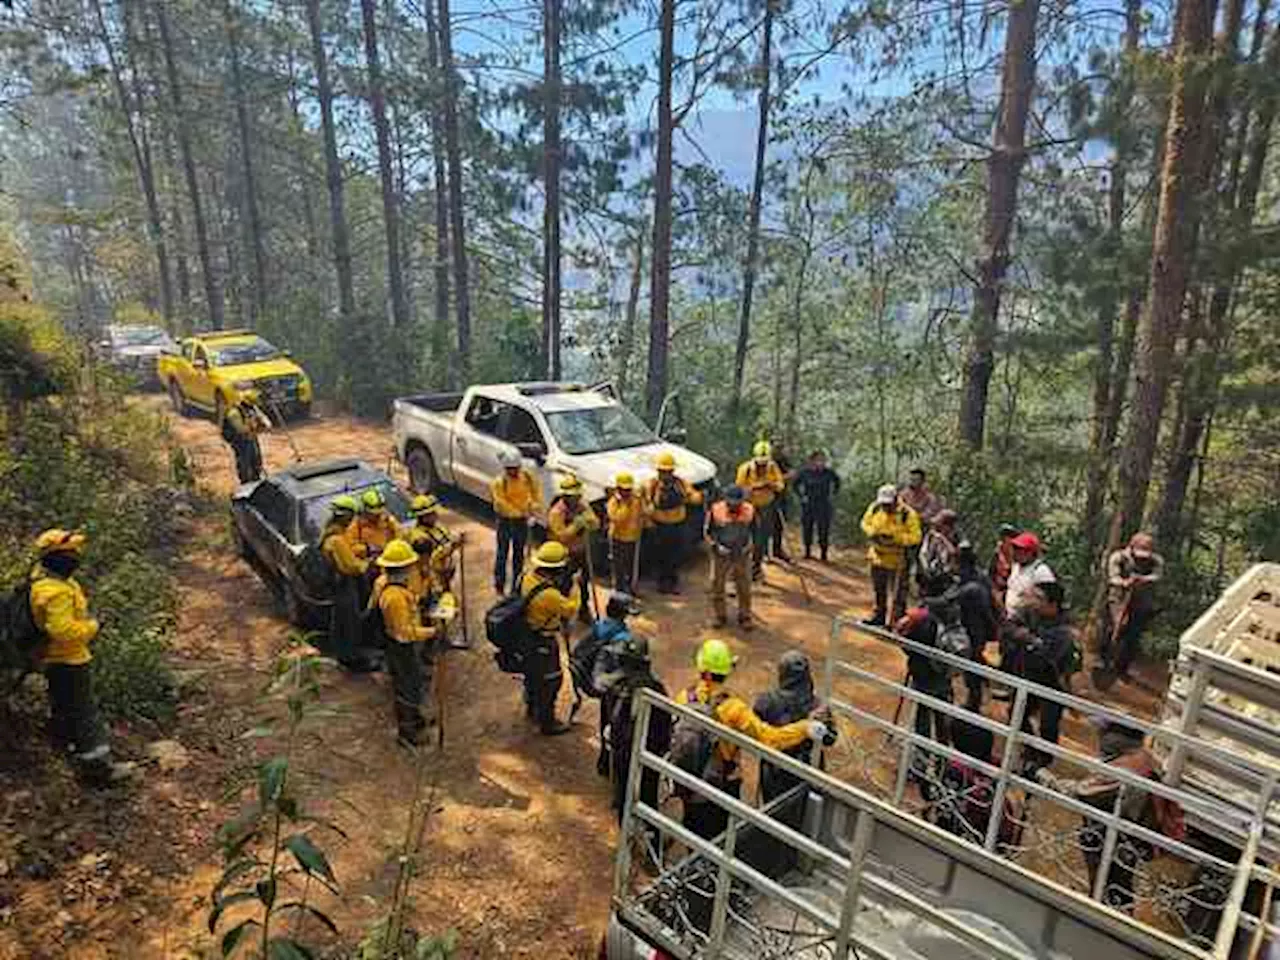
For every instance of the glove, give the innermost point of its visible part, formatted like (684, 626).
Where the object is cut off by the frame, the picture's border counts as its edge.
(819, 731)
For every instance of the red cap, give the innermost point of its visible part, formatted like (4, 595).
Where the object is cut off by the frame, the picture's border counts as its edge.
(1026, 541)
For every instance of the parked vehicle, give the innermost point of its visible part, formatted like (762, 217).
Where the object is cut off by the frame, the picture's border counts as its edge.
(278, 522)
(134, 349)
(453, 439)
(214, 371)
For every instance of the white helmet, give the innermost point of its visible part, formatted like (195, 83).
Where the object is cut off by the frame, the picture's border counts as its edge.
(508, 458)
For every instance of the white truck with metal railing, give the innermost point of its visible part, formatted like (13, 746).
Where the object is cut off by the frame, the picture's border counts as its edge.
(854, 862)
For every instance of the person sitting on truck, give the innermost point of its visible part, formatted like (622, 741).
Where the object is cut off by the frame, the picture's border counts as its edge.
(349, 572)
(435, 545)
(410, 657)
(668, 499)
(241, 425)
(695, 750)
(1121, 746)
(550, 604)
(764, 483)
(729, 528)
(571, 523)
(626, 513)
(791, 700)
(516, 497)
(375, 527)
(633, 672)
(1132, 574)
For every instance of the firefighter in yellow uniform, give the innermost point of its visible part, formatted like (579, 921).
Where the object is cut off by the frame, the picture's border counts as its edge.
(339, 548)
(710, 696)
(60, 615)
(764, 482)
(410, 656)
(626, 513)
(667, 501)
(241, 426)
(516, 498)
(571, 523)
(550, 605)
(374, 527)
(436, 547)
(891, 528)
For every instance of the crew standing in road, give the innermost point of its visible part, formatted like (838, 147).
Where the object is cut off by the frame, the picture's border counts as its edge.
(410, 656)
(763, 482)
(375, 527)
(891, 528)
(730, 524)
(349, 571)
(1132, 574)
(241, 425)
(517, 498)
(816, 485)
(571, 523)
(668, 499)
(626, 526)
(550, 605)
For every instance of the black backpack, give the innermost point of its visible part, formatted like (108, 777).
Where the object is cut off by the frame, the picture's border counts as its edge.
(670, 494)
(505, 626)
(20, 638)
(317, 572)
(693, 746)
(229, 434)
(586, 653)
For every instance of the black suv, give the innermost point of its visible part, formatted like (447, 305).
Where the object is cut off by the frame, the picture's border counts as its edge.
(278, 522)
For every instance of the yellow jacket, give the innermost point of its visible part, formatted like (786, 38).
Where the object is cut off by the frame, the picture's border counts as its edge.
(733, 712)
(435, 547)
(550, 610)
(626, 517)
(571, 528)
(890, 532)
(762, 485)
(245, 426)
(401, 620)
(691, 498)
(515, 499)
(340, 551)
(60, 612)
(373, 531)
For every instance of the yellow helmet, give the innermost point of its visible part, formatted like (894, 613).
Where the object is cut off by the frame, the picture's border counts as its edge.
(762, 450)
(570, 485)
(60, 541)
(397, 554)
(624, 481)
(424, 503)
(714, 656)
(550, 556)
(373, 499)
(666, 460)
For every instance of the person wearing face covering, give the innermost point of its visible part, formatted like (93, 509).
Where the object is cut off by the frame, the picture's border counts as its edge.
(791, 700)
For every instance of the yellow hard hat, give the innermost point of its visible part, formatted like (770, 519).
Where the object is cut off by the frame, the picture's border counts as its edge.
(570, 485)
(425, 503)
(60, 541)
(551, 555)
(624, 481)
(666, 460)
(373, 499)
(714, 656)
(397, 554)
(762, 450)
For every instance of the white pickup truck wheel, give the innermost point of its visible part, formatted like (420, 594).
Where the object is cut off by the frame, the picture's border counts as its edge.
(422, 470)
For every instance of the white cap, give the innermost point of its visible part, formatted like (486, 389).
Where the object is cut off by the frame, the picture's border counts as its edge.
(509, 458)
(887, 494)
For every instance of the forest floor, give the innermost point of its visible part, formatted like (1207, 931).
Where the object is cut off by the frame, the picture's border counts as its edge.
(519, 846)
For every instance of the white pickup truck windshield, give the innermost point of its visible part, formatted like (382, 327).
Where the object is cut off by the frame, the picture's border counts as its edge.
(596, 429)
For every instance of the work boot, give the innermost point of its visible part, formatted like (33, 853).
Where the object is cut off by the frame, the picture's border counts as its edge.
(808, 554)
(602, 763)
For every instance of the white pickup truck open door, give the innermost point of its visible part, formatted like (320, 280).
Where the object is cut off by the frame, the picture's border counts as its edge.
(670, 425)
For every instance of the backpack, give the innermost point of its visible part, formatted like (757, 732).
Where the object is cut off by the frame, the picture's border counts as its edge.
(954, 639)
(586, 653)
(505, 626)
(693, 747)
(670, 495)
(20, 638)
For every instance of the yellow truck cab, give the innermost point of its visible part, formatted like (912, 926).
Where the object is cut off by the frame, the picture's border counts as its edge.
(215, 370)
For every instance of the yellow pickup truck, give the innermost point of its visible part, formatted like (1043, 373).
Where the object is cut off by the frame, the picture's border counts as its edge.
(215, 370)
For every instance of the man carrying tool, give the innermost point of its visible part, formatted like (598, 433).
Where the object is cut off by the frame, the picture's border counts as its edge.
(410, 655)
(349, 572)
(891, 528)
(817, 486)
(550, 604)
(626, 525)
(762, 480)
(571, 523)
(374, 527)
(730, 523)
(1132, 574)
(241, 425)
(668, 499)
(516, 497)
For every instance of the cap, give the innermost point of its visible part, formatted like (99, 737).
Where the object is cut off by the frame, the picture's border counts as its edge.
(571, 485)
(666, 460)
(762, 450)
(59, 541)
(551, 555)
(397, 554)
(425, 503)
(1027, 541)
(508, 459)
(624, 481)
(735, 494)
(887, 494)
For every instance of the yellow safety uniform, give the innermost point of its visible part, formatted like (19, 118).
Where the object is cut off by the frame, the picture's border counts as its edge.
(515, 498)
(672, 515)
(733, 712)
(340, 550)
(374, 530)
(899, 525)
(401, 620)
(762, 484)
(571, 528)
(60, 611)
(550, 610)
(626, 517)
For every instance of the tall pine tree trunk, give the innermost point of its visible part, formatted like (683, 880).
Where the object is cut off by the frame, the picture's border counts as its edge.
(1171, 255)
(256, 238)
(753, 213)
(386, 166)
(440, 205)
(1004, 168)
(628, 345)
(660, 275)
(457, 219)
(551, 82)
(212, 285)
(333, 177)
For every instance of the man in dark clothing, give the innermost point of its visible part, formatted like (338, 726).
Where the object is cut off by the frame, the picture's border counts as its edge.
(782, 511)
(924, 625)
(1042, 642)
(1132, 574)
(816, 485)
(972, 594)
(791, 700)
(634, 673)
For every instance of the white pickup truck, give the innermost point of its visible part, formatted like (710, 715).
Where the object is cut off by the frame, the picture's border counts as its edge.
(453, 439)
